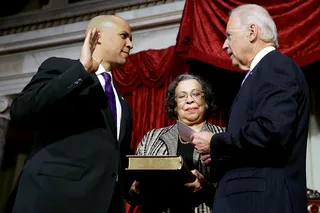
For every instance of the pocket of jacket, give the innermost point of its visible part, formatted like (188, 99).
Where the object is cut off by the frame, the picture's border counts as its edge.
(242, 185)
(62, 170)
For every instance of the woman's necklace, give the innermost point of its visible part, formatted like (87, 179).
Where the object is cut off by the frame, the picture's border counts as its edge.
(182, 141)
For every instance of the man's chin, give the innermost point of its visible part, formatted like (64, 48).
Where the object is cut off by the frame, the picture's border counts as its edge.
(121, 62)
(235, 64)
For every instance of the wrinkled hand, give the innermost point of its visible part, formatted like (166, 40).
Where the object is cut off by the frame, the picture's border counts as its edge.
(201, 141)
(206, 158)
(135, 187)
(87, 49)
(196, 185)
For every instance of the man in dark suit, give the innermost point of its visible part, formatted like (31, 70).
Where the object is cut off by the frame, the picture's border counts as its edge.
(261, 157)
(81, 137)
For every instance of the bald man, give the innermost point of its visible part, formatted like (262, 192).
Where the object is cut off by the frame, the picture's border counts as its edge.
(82, 127)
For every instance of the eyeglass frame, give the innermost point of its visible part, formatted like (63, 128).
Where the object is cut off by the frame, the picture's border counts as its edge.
(187, 95)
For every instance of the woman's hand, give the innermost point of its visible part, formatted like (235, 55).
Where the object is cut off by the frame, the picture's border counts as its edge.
(196, 185)
(133, 196)
(135, 187)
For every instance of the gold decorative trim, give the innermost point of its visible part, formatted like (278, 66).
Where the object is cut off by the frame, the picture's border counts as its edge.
(313, 194)
(78, 17)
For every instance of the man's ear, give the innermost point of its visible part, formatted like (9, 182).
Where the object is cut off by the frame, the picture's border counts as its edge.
(99, 40)
(253, 32)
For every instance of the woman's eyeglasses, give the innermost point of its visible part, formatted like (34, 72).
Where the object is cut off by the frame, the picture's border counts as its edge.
(195, 94)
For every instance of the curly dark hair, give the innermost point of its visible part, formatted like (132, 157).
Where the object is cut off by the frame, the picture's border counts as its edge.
(170, 101)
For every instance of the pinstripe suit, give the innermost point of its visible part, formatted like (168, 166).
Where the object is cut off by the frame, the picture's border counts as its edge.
(266, 141)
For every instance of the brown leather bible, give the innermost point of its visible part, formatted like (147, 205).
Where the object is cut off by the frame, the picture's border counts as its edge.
(160, 167)
(161, 179)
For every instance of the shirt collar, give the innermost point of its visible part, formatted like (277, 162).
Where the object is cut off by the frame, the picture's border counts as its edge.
(260, 55)
(101, 70)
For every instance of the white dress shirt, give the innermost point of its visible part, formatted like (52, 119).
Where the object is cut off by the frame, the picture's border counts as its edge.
(118, 105)
(260, 55)
(257, 59)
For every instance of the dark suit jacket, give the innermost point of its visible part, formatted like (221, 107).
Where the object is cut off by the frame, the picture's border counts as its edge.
(76, 160)
(263, 151)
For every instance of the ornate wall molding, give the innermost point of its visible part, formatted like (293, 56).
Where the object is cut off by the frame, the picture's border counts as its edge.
(5, 103)
(73, 13)
(313, 194)
(313, 201)
(60, 35)
(22, 53)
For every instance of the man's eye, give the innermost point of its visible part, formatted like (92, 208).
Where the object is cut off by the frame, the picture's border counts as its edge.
(124, 36)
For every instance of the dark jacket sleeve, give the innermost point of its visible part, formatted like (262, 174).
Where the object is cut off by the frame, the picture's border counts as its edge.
(127, 150)
(57, 82)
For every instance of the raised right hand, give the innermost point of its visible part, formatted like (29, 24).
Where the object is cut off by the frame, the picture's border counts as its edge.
(87, 49)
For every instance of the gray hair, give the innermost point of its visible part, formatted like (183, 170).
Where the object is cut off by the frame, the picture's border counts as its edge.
(170, 101)
(255, 14)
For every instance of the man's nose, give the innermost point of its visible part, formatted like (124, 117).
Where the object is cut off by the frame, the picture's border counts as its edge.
(129, 44)
(225, 44)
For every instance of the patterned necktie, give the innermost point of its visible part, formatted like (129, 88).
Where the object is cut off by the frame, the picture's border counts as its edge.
(245, 77)
(110, 95)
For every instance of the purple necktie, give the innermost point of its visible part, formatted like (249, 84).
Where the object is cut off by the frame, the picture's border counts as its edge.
(110, 95)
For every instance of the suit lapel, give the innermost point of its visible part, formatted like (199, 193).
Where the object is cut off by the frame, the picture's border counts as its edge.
(124, 116)
(234, 101)
(109, 120)
(241, 88)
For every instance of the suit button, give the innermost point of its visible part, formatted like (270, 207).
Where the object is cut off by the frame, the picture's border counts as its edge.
(115, 175)
(78, 81)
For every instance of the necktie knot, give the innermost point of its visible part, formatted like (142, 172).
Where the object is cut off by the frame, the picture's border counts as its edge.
(106, 76)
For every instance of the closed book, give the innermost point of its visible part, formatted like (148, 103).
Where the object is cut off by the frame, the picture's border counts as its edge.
(165, 167)
(161, 178)
(155, 162)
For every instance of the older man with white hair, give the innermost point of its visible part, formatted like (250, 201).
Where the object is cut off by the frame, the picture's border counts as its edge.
(261, 157)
